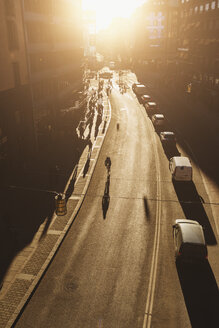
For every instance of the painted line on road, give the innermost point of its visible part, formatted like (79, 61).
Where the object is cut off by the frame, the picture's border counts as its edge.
(153, 272)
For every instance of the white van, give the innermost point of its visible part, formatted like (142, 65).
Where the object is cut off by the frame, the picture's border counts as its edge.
(189, 241)
(180, 168)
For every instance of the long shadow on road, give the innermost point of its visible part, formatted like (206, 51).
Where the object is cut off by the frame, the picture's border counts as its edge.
(200, 292)
(192, 205)
(106, 197)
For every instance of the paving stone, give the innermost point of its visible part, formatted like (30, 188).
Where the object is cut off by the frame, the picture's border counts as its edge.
(12, 299)
(40, 255)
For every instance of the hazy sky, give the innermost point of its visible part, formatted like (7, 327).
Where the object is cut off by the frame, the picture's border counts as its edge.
(106, 10)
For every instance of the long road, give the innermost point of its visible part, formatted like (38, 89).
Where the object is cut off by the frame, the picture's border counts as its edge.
(116, 265)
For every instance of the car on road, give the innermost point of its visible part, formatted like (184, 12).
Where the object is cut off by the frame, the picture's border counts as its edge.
(151, 107)
(158, 120)
(145, 99)
(168, 138)
(180, 168)
(134, 85)
(189, 241)
(139, 90)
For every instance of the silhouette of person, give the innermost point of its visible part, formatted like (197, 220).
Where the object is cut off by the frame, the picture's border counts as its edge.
(108, 163)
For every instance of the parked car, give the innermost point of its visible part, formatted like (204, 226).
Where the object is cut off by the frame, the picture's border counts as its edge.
(189, 241)
(140, 89)
(151, 107)
(168, 138)
(145, 99)
(158, 120)
(134, 85)
(180, 168)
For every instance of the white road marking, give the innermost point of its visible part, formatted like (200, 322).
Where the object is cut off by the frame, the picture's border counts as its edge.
(153, 272)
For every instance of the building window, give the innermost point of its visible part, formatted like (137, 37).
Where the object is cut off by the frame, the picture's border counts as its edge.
(201, 8)
(196, 9)
(12, 35)
(207, 7)
(16, 72)
(213, 5)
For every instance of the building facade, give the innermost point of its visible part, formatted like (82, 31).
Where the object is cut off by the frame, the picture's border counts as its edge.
(156, 31)
(16, 132)
(198, 47)
(40, 64)
(53, 36)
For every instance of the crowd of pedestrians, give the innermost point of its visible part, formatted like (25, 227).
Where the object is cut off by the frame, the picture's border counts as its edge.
(94, 105)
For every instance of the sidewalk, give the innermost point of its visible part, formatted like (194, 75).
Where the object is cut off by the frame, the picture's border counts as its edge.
(28, 267)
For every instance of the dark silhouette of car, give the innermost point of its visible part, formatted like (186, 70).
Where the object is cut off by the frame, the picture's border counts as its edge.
(168, 138)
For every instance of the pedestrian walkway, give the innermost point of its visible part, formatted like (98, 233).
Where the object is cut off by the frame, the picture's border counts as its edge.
(29, 265)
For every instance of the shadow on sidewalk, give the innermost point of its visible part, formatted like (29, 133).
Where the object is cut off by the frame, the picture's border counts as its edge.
(31, 202)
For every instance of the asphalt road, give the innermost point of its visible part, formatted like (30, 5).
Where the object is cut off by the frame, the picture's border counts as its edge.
(116, 266)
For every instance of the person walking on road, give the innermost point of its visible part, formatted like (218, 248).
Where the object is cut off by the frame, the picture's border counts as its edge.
(108, 164)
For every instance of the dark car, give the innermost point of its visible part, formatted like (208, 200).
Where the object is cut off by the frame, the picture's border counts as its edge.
(134, 85)
(145, 99)
(168, 138)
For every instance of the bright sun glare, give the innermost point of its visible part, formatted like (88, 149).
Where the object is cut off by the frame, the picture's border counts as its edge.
(106, 10)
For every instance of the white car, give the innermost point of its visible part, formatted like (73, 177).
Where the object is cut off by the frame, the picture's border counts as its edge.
(189, 241)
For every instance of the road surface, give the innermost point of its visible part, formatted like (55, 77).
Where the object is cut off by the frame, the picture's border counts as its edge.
(116, 266)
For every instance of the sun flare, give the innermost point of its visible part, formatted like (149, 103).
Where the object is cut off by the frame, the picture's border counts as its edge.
(107, 10)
